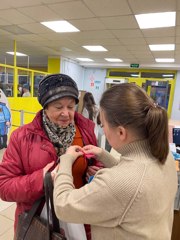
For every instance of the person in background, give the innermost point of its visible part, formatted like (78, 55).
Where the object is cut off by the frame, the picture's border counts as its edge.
(36, 148)
(20, 91)
(25, 90)
(5, 122)
(133, 196)
(90, 109)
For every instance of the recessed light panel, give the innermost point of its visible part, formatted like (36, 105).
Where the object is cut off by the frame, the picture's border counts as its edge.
(85, 59)
(156, 20)
(113, 60)
(168, 60)
(17, 54)
(95, 48)
(60, 26)
(162, 47)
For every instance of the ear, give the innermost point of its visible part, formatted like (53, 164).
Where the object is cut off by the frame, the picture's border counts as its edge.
(122, 132)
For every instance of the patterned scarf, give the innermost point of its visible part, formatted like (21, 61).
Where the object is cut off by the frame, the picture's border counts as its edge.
(61, 138)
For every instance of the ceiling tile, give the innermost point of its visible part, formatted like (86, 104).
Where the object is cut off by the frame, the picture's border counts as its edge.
(160, 40)
(152, 6)
(108, 23)
(23, 3)
(14, 29)
(162, 54)
(71, 10)
(177, 41)
(134, 33)
(4, 22)
(139, 48)
(120, 22)
(88, 24)
(102, 8)
(40, 13)
(35, 28)
(14, 17)
(133, 41)
(105, 41)
(101, 34)
(163, 32)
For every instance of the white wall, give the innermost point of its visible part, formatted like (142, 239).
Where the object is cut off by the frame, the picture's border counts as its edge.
(94, 82)
(175, 115)
(88, 79)
(74, 70)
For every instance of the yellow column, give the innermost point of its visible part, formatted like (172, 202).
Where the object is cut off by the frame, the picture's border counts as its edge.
(15, 83)
(54, 65)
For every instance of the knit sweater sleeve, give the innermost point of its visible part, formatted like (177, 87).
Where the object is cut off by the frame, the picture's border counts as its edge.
(82, 205)
(108, 159)
(96, 203)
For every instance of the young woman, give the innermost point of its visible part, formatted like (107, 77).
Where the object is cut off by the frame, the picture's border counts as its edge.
(133, 196)
(90, 109)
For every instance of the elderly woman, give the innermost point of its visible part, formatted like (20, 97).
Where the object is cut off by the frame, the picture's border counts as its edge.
(35, 148)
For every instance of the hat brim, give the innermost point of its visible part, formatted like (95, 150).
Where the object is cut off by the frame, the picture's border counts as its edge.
(61, 95)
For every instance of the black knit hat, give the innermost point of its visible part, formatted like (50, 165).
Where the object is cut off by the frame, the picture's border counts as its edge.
(56, 86)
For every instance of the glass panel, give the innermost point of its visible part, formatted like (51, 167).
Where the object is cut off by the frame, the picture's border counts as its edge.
(157, 75)
(6, 81)
(124, 74)
(37, 79)
(24, 83)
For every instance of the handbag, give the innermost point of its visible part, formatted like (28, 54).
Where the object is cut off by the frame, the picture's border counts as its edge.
(73, 231)
(31, 226)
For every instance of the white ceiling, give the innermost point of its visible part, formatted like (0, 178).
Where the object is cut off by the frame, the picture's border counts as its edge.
(110, 23)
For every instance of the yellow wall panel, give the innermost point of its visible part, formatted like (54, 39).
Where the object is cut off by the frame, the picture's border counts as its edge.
(54, 65)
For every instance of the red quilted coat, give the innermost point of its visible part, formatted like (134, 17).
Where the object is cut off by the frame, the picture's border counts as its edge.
(28, 152)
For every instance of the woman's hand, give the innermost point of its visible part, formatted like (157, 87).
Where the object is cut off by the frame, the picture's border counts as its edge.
(91, 171)
(90, 149)
(75, 151)
(47, 168)
(53, 173)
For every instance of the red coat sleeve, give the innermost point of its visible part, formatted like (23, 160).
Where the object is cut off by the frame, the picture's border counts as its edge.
(15, 184)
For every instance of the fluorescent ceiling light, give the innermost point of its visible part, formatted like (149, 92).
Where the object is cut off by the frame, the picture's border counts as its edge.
(95, 48)
(164, 59)
(162, 47)
(17, 54)
(156, 20)
(85, 59)
(113, 60)
(60, 26)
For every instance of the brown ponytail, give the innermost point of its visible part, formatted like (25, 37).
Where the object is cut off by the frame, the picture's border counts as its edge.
(156, 122)
(129, 105)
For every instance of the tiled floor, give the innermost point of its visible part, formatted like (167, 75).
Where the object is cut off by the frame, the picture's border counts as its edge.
(7, 210)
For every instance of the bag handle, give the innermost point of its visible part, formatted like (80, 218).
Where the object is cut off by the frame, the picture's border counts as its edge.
(48, 186)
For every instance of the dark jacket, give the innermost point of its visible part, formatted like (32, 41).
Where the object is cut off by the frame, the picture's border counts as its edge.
(28, 152)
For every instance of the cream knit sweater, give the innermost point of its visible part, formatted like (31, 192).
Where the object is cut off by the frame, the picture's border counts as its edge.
(131, 199)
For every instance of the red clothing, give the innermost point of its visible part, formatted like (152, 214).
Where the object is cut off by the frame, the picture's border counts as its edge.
(28, 152)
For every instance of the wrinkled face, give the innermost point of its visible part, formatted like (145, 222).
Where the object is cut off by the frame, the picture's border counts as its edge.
(61, 111)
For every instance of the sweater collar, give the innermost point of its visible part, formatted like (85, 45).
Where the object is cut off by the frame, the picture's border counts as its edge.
(136, 149)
